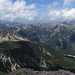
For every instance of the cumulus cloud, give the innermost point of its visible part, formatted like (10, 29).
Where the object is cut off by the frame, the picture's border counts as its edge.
(67, 2)
(17, 10)
(20, 11)
(62, 15)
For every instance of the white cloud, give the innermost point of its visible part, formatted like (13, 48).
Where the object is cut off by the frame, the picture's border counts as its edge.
(67, 2)
(62, 15)
(53, 5)
(17, 10)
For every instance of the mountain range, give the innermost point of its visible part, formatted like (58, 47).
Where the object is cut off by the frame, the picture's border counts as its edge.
(41, 46)
(58, 35)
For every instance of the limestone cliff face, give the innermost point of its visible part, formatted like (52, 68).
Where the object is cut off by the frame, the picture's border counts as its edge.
(10, 62)
(7, 63)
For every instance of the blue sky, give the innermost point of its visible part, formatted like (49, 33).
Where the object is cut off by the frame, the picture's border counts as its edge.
(46, 2)
(33, 11)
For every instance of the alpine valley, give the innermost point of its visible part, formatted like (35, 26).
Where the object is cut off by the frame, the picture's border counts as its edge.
(37, 49)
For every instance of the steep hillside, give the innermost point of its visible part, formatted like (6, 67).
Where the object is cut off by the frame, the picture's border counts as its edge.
(15, 55)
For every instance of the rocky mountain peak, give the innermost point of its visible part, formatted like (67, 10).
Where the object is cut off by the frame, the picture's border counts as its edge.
(7, 35)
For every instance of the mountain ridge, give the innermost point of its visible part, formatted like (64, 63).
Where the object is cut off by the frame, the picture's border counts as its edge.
(38, 47)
